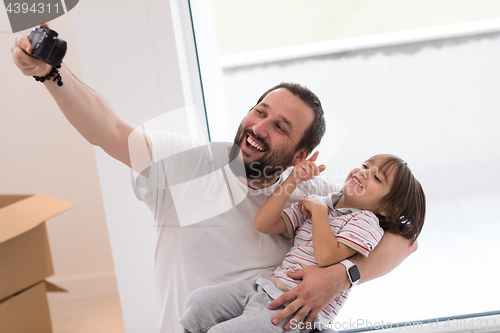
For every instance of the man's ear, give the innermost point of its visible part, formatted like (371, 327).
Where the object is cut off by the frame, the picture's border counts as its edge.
(299, 156)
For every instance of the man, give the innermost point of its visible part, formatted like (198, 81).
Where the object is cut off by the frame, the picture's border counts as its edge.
(224, 247)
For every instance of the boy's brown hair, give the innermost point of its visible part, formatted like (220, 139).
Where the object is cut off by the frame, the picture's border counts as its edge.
(405, 202)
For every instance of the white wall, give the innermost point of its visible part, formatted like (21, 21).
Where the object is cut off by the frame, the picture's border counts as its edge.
(139, 55)
(131, 54)
(41, 153)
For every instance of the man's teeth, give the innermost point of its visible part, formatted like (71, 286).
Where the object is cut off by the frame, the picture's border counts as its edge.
(357, 182)
(255, 144)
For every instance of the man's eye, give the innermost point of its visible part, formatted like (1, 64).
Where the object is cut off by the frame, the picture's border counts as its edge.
(281, 129)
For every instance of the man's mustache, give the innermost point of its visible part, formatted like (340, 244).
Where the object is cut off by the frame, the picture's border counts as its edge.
(261, 140)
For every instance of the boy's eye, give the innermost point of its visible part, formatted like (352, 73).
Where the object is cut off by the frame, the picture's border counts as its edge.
(364, 166)
(378, 179)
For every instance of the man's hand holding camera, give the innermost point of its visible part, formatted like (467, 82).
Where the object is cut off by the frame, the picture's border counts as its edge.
(45, 47)
(27, 64)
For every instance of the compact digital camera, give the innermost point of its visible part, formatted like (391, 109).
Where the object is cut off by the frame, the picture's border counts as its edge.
(47, 46)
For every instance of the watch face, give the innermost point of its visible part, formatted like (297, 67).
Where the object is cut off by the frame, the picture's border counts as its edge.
(354, 273)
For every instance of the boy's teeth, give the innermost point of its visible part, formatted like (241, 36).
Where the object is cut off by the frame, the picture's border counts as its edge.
(254, 144)
(357, 182)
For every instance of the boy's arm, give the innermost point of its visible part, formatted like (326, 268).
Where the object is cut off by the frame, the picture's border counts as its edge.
(327, 249)
(268, 220)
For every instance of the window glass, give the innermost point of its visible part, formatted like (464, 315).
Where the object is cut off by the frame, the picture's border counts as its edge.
(246, 26)
(434, 103)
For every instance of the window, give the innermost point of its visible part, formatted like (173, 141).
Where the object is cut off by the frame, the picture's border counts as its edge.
(411, 78)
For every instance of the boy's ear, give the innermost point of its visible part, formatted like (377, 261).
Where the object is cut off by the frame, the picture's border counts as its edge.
(384, 212)
(299, 156)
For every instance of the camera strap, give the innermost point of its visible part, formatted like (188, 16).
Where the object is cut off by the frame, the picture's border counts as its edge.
(54, 73)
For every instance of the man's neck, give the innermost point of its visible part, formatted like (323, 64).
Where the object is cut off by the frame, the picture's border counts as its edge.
(256, 183)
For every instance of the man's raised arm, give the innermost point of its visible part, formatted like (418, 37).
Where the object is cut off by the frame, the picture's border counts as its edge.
(320, 285)
(85, 109)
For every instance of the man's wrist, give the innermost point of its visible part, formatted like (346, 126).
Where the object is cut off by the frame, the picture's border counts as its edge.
(352, 272)
(339, 276)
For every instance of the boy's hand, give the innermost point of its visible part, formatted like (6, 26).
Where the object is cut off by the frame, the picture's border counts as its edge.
(306, 170)
(312, 203)
(27, 64)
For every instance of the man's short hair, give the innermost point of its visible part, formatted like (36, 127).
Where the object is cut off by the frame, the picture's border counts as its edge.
(314, 133)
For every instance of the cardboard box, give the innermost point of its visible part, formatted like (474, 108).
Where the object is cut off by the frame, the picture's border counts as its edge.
(27, 311)
(25, 259)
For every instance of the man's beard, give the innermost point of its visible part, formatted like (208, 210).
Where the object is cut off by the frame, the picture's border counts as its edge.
(270, 165)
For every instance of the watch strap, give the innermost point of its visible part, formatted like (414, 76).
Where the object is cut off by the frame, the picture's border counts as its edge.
(349, 268)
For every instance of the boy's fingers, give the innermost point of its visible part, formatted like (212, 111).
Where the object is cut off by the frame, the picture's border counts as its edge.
(322, 168)
(44, 25)
(308, 172)
(303, 171)
(315, 170)
(314, 156)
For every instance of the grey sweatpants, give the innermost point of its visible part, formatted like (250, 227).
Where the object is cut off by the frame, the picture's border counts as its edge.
(233, 307)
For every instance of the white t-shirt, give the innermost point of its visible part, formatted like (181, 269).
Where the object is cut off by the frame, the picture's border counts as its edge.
(188, 182)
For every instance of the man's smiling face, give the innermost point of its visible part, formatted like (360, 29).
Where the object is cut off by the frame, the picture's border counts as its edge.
(270, 133)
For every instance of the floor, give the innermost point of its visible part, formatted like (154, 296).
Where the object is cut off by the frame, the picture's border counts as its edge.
(94, 315)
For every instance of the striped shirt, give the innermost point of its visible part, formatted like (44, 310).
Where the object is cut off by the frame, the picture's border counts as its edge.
(358, 229)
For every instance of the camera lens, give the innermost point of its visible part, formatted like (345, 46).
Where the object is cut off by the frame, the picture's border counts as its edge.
(57, 53)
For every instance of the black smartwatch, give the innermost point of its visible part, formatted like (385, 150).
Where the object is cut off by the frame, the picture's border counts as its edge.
(352, 272)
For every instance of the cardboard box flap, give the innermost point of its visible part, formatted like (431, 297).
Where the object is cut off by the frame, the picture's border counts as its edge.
(27, 311)
(49, 287)
(26, 213)
(54, 288)
(6, 200)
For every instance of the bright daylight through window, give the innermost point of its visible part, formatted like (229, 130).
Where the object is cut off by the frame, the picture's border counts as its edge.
(417, 79)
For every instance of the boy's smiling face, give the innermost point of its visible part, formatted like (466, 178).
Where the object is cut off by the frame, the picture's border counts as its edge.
(366, 186)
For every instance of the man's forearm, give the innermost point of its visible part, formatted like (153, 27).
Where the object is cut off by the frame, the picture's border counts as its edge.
(387, 255)
(91, 115)
(391, 251)
(85, 109)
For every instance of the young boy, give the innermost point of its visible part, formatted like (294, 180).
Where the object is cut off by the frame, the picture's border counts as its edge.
(325, 231)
